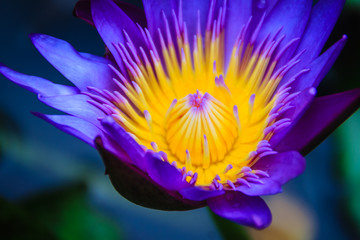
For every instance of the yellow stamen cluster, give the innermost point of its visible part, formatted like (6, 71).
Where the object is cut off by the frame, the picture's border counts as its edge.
(183, 102)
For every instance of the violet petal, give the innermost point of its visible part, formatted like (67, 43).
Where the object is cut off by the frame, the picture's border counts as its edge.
(75, 105)
(37, 85)
(164, 173)
(154, 17)
(137, 187)
(85, 131)
(111, 21)
(77, 127)
(261, 7)
(319, 67)
(322, 20)
(300, 104)
(323, 116)
(82, 10)
(82, 69)
(125, 141)
(292, 17)
(199, 194)
(238, 13)
(242, 209)
(190, 15)
(281, 168)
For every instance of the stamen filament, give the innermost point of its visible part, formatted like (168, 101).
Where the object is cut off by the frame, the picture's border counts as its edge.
(206, 161)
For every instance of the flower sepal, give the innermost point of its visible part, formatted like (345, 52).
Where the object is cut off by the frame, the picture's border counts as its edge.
(138, 187)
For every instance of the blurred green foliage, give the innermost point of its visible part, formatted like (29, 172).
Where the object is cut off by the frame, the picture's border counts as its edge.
(352, 3)
(63, 214)
(349, 145)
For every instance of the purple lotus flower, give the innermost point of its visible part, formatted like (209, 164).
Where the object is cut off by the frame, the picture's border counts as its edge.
(202, 102)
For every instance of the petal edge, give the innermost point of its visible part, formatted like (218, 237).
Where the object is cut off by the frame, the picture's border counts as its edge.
(242, 209)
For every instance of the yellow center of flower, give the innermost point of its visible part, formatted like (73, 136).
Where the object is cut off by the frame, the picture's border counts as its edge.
(201, 130)
(205, 116)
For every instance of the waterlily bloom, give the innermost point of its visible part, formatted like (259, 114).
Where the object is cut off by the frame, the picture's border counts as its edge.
(202, 102)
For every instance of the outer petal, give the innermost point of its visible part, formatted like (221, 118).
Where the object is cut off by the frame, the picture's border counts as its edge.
(82, 10)
(81, 69)
(281, 168)
(322, 20)
(164, 173)
(199, 194)
(83, 130)
(125, 141)
(319, 67)
(111, 21)
(75, 105)
(323, 116)
(291, 16)
(36, 84)
(139, 188)
(242, 209)
(77, 127)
